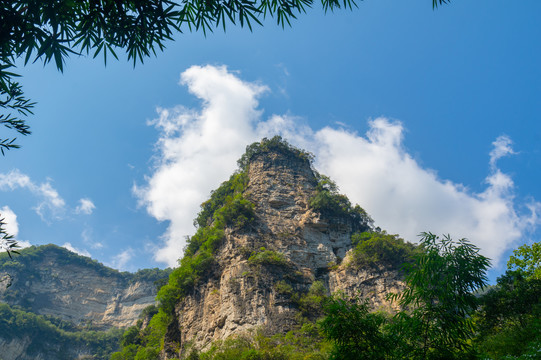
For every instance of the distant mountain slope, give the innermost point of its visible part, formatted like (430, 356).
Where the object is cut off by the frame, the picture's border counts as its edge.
(26, 336)
(51, 280)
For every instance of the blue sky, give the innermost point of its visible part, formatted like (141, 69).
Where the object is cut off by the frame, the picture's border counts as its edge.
(430, 120)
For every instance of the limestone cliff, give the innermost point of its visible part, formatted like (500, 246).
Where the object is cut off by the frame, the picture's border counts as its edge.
(50, 280)
(290, 243)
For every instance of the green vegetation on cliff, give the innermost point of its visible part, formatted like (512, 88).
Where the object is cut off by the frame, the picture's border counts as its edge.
(437, 316)
(226, 207)
(50, 264)
(268, 257)
(377, 248)
(229, 192)
(277, 145)
(306, 343)
(144, 343)
(329, 202)
(54, 338)
(28, 258)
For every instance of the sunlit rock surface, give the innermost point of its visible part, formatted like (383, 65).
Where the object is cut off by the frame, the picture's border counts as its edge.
(238, 296)
(60, 283)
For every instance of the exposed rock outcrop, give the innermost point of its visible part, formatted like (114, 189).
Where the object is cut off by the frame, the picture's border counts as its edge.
(18, 349)
(241, 294)
(50, 280)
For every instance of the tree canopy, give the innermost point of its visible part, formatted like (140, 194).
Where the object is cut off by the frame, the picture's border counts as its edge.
(440, 293)
(527, 260)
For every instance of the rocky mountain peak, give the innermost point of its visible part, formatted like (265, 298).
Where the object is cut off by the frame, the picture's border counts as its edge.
(279, 179)
(295, 231)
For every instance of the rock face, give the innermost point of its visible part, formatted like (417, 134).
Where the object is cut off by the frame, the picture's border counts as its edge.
(242, 294)
(17, 349)
(50, 280)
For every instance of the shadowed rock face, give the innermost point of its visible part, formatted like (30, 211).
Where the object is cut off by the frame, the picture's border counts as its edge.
(238, 295)
(59, 283)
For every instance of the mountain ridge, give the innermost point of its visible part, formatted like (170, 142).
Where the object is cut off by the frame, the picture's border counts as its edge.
(51, 280)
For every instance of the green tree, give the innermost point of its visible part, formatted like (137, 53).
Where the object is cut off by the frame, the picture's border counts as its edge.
(377, 248)
(509, 317)
(439, 299)
(355, 331)
(527, 259)
(51, 30)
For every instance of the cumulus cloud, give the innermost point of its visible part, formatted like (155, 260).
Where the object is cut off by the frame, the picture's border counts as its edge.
(51, 203)
(11, 226)
(10, 221)
(402, 197)
(75, 250)
(198, 149)
(86, 206)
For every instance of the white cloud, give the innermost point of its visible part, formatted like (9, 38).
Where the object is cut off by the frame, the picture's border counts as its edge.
(23, 244)
(11, 226)
(75, 250)
(50, 204)
(402, 197)
(86, 206)
(10, 221)
(197, 150)
(502, 147)
(120, 260)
